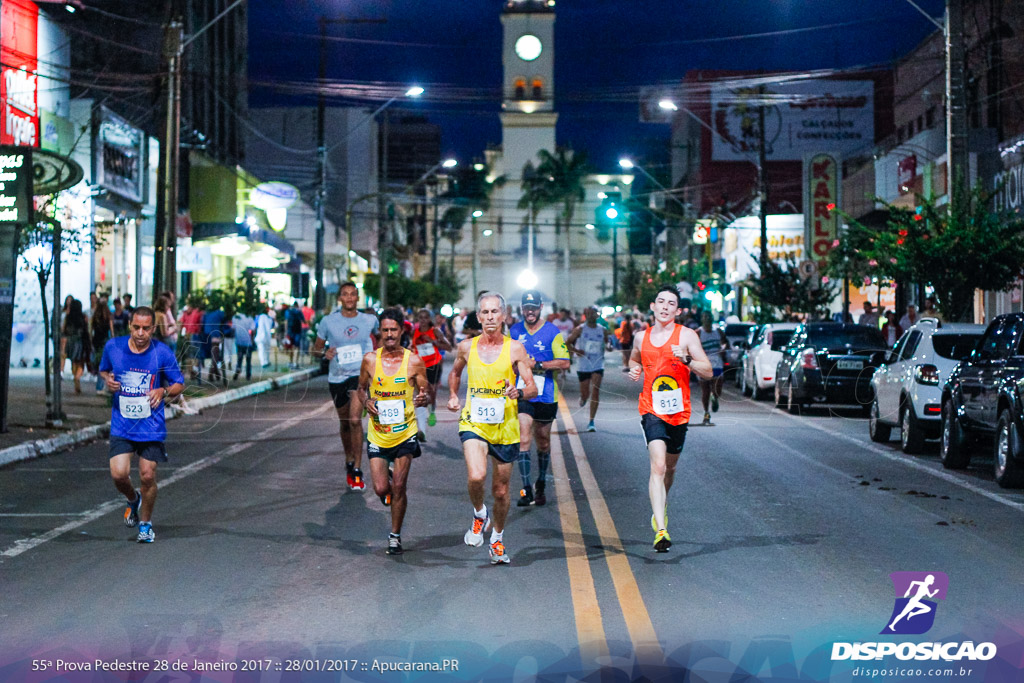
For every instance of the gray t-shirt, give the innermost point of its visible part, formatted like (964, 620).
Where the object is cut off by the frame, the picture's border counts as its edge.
(351, 337)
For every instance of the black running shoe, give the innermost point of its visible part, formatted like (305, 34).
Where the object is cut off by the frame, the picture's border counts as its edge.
(394, 545)
(538, 497)
(525, 497)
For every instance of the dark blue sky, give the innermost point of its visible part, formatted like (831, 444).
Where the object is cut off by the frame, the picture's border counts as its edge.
(605, 50)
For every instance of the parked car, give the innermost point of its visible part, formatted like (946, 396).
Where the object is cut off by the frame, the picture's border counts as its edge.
(746, 344)
(736, 334)
(908, 386)
(828, 363)
(757, 368)
(982, 402)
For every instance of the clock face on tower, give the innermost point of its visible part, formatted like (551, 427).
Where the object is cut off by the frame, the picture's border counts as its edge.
(528, 47)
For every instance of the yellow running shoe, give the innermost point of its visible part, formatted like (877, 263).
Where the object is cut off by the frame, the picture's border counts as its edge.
(654, 523)
(662, 541)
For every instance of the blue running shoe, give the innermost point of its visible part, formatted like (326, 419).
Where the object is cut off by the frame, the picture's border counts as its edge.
(146, 534)
(131, 511)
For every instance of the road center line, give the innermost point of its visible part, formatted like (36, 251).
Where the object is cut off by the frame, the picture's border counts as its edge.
(638, 620)
(903, 460)
(25, 544)
(589, 625)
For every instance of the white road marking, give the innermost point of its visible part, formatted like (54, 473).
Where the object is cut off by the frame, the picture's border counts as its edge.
(25, 544)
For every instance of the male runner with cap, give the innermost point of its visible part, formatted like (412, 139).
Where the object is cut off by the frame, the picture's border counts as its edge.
(588, 342)
(489, 425)
(546, 347)
(142, 373)
(351, 336)
(665, 354)
(392, 383)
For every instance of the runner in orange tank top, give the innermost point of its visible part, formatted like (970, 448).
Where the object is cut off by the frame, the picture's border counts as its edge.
(665, 355)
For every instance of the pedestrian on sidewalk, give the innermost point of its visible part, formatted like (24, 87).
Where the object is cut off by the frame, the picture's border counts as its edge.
(244, 328)
(143, 373)
(76, 342)
(120, 317)
(264, 335)
(166, 326)
(102, 326)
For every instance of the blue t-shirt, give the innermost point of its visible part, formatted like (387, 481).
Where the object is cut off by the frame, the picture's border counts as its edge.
(546, 343)
(139, 373)
(213, 324)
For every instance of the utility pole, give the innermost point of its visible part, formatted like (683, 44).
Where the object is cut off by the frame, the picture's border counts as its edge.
(164, 266)
(319, 294)
(762, 186)
(957, 152)
(383, 226)
(433, 255)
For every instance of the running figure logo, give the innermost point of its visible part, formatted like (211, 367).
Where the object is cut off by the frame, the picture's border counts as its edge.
(916, 595)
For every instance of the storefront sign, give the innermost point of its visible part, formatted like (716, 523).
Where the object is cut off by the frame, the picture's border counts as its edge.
(906, 171)
(194, 259)
(15, 210)
(118, 155)
(803, 117)
(1011, 179)
(18, 81)
(741, 248)
(821, 197)
(15, 185)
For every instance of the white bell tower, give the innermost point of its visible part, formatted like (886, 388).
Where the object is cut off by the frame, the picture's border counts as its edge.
(528, 90)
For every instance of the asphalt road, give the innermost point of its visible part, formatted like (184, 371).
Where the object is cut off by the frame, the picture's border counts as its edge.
(785, 532)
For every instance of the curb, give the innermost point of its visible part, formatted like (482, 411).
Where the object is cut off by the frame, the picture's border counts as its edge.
(41, 447)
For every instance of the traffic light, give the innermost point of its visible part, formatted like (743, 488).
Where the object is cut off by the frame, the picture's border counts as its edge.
(608, 214)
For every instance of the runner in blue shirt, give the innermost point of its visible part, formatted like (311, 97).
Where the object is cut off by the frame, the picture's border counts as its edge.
(546, 347)
(142, 373)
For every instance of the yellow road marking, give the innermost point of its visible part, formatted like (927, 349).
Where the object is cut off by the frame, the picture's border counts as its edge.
(638, 620)
(589, 626)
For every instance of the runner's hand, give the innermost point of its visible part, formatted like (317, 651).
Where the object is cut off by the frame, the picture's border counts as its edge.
(634, 372)
(371, 408)
(156, 396)
(512, 392)
(679, 351)
(421, 399)
(112, 383)
(330, 353)
(454, 404)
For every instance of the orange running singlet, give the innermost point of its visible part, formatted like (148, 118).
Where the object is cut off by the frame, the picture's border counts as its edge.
(666, 391)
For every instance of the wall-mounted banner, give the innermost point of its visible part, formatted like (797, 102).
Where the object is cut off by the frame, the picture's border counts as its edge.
(19, 21)
(802, 117)
(821, 198)
(118, 155)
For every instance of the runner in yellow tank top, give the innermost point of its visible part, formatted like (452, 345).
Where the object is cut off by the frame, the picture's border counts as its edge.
(392, 383)
(490, 423)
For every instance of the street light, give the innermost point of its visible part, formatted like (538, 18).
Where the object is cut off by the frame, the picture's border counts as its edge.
(476, 250)
(668, 105)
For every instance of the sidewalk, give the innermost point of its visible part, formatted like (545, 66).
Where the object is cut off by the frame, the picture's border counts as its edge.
(88, 414)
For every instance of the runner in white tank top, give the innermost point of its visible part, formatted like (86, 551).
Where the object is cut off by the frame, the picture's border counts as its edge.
(714, 343)
(587, 342)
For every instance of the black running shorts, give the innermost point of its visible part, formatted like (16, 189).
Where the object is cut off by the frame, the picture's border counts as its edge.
(584, 376)
(341, 392)
(148, 450)
(410, 446)
(656, 429)
(434, 374)
(540, 412)
(502, 452)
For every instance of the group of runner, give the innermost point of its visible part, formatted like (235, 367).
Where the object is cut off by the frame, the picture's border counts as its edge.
(511, 402)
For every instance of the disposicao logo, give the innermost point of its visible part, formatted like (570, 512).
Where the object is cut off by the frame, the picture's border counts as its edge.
(913, 613)
(916, 595)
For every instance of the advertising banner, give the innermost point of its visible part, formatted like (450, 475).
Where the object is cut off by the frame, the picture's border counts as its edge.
(821, 197)
(118, 151)
(802, 117)
(18, 81)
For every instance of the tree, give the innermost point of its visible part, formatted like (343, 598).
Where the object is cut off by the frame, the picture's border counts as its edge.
(564, 172)
(781, 292)
(955, 251)
(538, 194)
(35, 247)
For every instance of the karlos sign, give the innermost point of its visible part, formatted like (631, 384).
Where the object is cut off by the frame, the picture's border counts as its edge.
(821, 173)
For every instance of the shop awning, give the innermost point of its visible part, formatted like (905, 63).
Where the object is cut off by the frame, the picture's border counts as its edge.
(256, 235)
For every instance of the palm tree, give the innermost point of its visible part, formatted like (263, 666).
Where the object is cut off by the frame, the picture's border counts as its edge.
(565, 171)
(536, 197)
(470, 190)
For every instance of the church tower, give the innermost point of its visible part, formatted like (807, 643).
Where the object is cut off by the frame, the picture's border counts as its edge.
(528, 90)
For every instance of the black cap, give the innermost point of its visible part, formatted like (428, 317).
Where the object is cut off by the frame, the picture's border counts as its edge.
(532, 297)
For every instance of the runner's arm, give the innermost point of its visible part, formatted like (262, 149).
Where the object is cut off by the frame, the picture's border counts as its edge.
(561, 353)
(362, 391)
(570, 343)
(523, 364)
(442, 340)
(418, 377)
(455, 376)
(699, 362)
(635, 366)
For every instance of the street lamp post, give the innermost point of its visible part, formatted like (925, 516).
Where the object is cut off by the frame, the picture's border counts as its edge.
(629, 164)
(476, 249)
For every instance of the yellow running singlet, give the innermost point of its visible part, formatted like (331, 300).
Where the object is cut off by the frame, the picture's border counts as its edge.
(394, 394)
(488, 412)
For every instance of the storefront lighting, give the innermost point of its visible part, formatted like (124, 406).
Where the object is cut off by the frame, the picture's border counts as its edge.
(447, 310)
(626, 180)
(488, 232)
(478, 213)
(589, 226)
(228, 246)
(278, 218)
